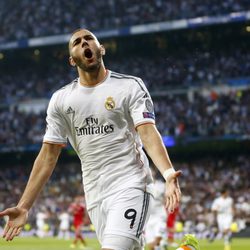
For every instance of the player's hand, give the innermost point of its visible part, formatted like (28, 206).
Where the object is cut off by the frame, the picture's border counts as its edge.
(173, 192)
(17, 219)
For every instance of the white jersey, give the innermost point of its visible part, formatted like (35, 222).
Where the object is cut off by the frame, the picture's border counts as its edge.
(159, 197)
(64, 221)
(223, 206)
(156, 225)
(99, 123)
(40, 219)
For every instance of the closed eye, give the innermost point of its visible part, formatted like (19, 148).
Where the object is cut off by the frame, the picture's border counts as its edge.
(88, 37)
(78, 40)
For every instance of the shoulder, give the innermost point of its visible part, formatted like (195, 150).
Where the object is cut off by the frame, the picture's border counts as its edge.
(66, 88)
(59, 95)
(132, 83)
(116, 75)
(126, 78)
(217, 200)
(220, 199)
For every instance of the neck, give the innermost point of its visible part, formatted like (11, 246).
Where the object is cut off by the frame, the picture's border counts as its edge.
(90, 79)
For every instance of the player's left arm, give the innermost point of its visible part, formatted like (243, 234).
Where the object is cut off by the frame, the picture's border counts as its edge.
(156, 150)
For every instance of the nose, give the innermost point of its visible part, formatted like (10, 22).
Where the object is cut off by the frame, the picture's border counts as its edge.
(84, 43)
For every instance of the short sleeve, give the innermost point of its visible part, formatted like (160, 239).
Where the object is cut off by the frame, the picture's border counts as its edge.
(56, 127)
(214, 206)
(140, 104)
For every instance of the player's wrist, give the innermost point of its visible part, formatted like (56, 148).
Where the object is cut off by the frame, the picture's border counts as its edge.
(23, 206)
(166, 174)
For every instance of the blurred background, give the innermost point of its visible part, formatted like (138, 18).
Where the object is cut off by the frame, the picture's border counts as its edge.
(194, 58)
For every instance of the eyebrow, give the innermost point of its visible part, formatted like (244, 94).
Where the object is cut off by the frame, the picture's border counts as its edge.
(76, 40)
(85, 36)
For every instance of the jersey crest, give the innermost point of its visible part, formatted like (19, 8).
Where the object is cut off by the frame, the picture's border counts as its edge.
(109, 103)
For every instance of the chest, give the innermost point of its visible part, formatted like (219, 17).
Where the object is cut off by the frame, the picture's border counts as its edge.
(224, 205)
(95, 107)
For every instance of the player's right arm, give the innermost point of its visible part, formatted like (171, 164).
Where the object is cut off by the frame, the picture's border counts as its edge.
(41, 171)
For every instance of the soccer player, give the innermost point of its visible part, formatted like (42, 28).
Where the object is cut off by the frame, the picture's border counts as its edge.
(223, 210)
(77, 208)
(106, 117)
(41, 218)
(64, 226)
(155, 230)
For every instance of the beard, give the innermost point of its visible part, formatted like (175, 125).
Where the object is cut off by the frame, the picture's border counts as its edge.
(80, 62)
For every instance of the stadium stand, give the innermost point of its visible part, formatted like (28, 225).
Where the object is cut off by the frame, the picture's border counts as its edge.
(38, 19)
(203, 179)
(199, 80)
(164, 62)
(207, 116)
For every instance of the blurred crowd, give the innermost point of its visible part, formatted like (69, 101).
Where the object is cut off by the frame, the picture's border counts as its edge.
(19, 129)
(64, 185)
(201, 183)
(208, 116)
(23, 19)
(180, 115)
(184, 69)
(190, 114)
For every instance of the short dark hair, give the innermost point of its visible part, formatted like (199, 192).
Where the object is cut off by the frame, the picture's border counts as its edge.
(224, 189)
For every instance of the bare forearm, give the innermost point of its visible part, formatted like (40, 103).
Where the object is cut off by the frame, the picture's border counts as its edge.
(156, 150)
(42, 170)
(39, 176)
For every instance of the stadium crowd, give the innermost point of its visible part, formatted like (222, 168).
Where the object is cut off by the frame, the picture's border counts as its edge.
(209, 116)
(203, 180)
(189, 114)
(187, 69)
(183, 115)
(158, 72)
(179, 116)
(66, 15)
(24, 19)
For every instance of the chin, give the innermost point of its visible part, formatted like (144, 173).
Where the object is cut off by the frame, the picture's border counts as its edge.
(92, 68)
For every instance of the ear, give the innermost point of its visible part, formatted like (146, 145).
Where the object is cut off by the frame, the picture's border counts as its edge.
(71, 61)
(103, 51)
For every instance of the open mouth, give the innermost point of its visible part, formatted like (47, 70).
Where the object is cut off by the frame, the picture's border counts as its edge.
(88, 53)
